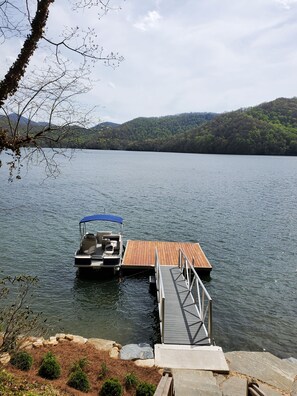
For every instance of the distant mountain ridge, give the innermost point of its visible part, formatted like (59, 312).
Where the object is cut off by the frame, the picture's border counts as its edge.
(269, 128)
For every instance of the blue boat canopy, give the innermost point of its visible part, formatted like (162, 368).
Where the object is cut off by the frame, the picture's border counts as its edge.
(102, 217)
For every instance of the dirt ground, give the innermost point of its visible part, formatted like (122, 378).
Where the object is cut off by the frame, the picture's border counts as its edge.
(68, 353)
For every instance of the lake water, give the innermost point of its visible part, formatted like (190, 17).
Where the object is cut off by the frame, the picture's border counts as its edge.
(242, 210)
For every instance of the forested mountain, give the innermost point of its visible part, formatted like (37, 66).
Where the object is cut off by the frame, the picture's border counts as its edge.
(144, 133)
(270, 128)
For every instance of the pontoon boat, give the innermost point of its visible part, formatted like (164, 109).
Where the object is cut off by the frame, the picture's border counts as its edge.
(100, 249)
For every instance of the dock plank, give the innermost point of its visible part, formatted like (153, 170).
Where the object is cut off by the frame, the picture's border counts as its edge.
(142, 254)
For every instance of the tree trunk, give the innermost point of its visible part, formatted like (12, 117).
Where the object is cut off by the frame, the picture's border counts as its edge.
(9, 84)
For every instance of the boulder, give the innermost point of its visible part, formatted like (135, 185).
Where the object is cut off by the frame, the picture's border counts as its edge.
(264, 367)
(136, 351)
(145, 363)
(38, 343)
(60, 336)
(79, 339)
(101, 344)
(51, 341)
(4, 358)
(114, 353)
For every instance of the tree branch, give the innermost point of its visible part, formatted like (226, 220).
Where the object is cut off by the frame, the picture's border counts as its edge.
(9, 84)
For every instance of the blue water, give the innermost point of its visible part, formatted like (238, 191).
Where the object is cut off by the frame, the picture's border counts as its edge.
(242, 210)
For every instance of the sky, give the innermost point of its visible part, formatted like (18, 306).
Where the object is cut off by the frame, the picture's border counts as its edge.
(190, 55)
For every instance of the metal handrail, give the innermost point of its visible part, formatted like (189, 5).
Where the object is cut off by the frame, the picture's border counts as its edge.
(192, 279)
(160, 293)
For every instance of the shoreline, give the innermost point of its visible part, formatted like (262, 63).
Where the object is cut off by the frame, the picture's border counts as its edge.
(274, 376)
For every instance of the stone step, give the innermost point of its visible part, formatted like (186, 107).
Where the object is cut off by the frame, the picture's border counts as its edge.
(264, 367)
(209, 358)
(194, 383)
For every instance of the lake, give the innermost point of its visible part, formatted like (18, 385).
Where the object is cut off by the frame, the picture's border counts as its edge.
(241, 209)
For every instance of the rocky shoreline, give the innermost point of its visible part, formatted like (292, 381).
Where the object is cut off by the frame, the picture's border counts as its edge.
(273, 376)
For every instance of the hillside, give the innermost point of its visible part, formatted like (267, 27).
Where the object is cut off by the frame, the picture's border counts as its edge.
(144, 133)
(270, 128)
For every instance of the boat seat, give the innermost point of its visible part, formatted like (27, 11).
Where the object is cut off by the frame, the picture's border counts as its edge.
(102, 234)
(109, 249)
(88, 245)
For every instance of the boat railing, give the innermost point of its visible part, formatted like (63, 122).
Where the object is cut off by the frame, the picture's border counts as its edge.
(160, 294)
(200, 295)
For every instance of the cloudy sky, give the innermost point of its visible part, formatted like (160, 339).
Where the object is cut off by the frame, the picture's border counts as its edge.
(191, 55)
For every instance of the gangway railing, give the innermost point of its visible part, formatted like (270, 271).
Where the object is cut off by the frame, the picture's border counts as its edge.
(160, 294)
(200, 295)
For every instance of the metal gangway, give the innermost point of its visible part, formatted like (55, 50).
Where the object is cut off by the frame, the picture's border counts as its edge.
(185, 307)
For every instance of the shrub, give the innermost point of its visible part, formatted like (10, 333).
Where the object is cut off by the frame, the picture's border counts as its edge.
(111, 387)
(22, 360)
(103, 371)
(131, 381)
(79, 380)
(80, 364)
(50, 368)
(145, 389)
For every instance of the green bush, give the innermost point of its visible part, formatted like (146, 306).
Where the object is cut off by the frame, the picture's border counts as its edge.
(22, 360)
(80, 364)
(131, 381)
(111, 387)
(103, 371)
(50, 368)
(145, 389)
(79, 380)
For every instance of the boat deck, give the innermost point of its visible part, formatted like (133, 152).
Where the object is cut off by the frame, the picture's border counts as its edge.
(141, 254)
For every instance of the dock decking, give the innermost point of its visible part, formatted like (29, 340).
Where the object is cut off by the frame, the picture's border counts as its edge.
(142, 254)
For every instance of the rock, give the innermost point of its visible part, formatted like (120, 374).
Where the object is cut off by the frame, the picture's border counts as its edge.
(101, 344)
(61, 340)
(265, 367)
(270, 391)
(294, 388)
(4, 358)
(69, 337)
(136, 351)
(38, 343)
(114, 353)
(79, 339)
(235, 386)
(51, 341)
(26, 344)
(291, 360)
(145, 363)
(60, 336)
(195, 383)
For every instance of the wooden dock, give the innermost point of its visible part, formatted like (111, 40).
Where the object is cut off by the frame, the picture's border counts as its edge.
(141, 254)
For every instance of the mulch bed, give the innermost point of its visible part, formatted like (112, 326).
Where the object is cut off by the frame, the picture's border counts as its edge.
(68, 353)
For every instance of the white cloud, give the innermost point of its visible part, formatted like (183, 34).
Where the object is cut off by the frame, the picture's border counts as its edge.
(149, 21)
(287, 4)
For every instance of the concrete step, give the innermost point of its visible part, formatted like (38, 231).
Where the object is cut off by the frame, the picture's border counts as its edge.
(209, 358)
(195, 383)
